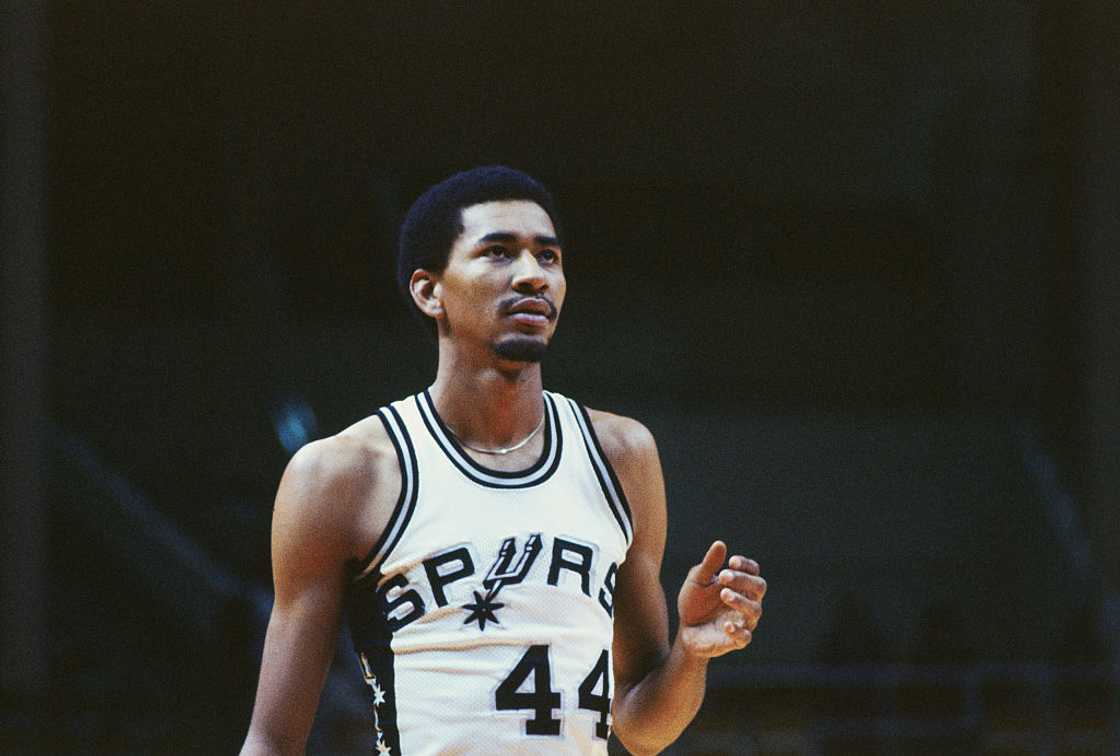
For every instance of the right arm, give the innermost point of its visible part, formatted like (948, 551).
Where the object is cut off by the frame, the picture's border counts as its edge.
(316, 530)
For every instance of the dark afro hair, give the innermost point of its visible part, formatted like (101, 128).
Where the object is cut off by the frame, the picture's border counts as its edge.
(435, 220)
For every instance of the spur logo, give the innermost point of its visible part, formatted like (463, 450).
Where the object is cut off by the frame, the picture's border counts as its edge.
(502, 572)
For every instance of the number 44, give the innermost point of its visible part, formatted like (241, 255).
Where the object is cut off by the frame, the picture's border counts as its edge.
(542, 699)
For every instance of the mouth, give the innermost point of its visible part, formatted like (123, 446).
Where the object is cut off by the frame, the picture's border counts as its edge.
(531, 311)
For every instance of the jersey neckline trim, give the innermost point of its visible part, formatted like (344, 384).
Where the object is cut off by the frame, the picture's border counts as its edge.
(537, 473)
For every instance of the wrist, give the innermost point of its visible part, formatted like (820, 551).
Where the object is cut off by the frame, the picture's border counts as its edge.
(688, 654)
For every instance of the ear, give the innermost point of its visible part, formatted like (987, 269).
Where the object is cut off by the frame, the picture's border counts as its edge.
(425, 290)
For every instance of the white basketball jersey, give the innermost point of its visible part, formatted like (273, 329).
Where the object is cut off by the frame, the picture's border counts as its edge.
(483, 615)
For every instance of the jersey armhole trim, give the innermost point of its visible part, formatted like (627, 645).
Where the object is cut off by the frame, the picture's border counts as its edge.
(406, 500)
(608, 479)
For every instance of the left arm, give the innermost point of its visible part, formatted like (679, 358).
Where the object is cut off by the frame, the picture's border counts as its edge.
(660, 686)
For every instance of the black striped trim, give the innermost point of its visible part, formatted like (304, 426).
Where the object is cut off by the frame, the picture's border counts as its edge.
(608, 480)
(540, 471)
(406, 501)
(373, 641)
(380, 675)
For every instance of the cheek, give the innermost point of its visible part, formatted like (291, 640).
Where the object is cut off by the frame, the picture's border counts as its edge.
(559, 290)
(471, 303)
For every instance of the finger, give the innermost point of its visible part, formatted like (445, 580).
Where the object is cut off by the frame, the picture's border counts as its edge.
(739, 562)
(750, 611)
(737, 633)
(705, 572)
(749, 585)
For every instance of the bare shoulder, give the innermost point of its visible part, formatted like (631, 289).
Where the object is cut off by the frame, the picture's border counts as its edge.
(632, 452)
(626, 442)
(343, 464)
(340, 490)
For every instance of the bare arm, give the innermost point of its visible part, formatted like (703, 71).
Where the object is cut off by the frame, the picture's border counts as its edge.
(659, 685)
(324, 489)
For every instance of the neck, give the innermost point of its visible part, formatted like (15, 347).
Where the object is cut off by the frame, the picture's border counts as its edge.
(490, 405)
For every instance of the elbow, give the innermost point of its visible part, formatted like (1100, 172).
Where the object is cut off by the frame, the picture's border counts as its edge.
(643, 743)
(258, 743)
(638, 747)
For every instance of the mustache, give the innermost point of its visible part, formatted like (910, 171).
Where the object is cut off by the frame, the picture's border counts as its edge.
(507, 305)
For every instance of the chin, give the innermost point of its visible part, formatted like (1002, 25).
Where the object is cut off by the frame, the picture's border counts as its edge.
(521, 349)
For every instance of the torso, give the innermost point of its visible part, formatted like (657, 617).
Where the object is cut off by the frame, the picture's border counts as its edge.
(482, 614)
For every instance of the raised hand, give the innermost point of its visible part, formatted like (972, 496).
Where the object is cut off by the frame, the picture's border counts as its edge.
(720, 608)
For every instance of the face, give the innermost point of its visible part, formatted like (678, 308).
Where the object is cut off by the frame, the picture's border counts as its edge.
(504, 281)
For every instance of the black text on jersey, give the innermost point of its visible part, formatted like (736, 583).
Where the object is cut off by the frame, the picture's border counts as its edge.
(445, 578)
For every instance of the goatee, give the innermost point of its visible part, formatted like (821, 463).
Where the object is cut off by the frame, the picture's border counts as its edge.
(521, 350)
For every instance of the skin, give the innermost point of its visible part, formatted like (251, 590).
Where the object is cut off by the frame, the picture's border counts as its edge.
(337, 495)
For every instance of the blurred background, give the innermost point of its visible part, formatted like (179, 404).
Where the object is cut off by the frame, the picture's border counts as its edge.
(855, 264)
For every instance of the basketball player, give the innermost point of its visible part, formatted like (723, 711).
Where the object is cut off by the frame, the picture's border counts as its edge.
(496, 546)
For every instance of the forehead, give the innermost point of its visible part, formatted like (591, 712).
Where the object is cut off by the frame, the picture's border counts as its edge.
(520, 217)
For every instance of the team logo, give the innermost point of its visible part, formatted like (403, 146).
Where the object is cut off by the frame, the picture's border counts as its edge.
(504, 571)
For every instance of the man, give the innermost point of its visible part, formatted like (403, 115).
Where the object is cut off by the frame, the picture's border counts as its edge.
(496, 546)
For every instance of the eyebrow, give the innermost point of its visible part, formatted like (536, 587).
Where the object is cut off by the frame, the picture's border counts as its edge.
(509, 238)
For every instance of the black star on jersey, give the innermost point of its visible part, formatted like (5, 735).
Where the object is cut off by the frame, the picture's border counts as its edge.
(504, 571)
(483, 609)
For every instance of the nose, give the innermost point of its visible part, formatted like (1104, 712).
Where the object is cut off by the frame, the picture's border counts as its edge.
(528, 275)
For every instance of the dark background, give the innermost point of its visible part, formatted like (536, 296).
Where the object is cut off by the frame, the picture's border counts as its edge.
(854, 265)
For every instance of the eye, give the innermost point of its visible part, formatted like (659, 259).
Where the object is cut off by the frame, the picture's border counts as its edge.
(496, 250)
(549, 255)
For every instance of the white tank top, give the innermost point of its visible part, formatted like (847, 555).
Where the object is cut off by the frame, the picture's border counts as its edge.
(483, 616)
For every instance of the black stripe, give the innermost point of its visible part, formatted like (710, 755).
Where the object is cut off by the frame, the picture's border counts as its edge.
(603, 484)
(447, 434)
(373, 638)
(402, 508)
(610, 471)
(529, 477)
(411, 505)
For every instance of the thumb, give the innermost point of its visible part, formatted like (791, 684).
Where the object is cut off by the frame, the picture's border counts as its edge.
(713, 560)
